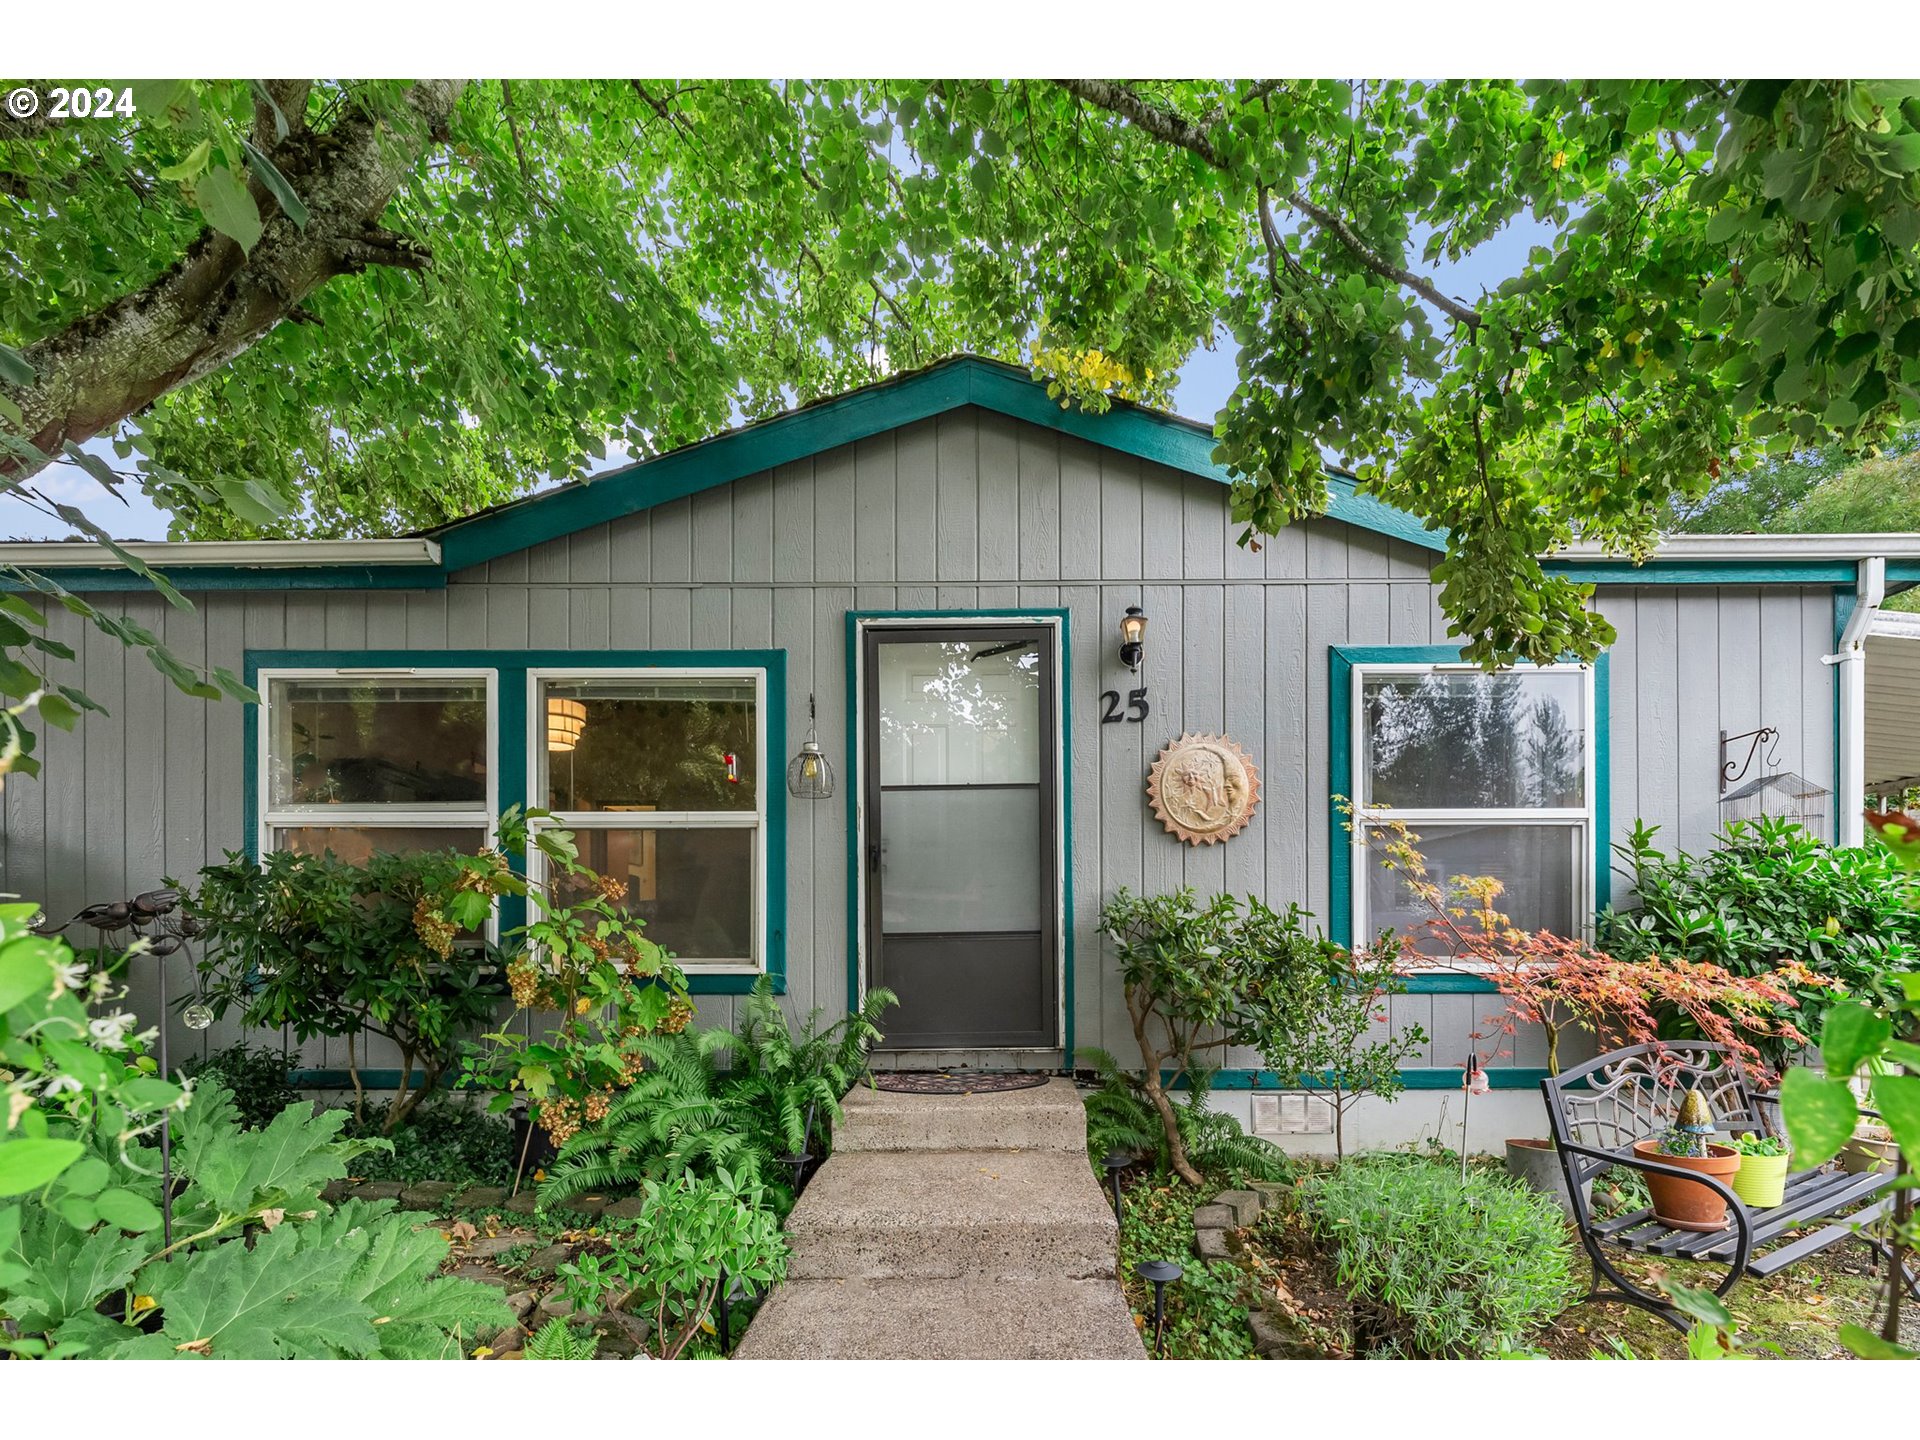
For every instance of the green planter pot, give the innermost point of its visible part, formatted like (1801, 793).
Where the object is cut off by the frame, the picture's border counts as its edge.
(1761, 1181)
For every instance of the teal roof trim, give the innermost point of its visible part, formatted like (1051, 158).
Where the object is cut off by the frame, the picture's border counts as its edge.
(1164, 439)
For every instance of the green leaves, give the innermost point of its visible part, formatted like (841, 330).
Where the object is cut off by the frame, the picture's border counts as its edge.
(29, 1164)
(1820, 1115)
(275, 1301)
(278, 184)
(1852, 1034)
(222, 197)
(282, 1166)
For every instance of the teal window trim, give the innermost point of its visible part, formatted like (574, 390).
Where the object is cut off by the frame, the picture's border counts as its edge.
(1063, 622)
(1341, 663)
(511, 739)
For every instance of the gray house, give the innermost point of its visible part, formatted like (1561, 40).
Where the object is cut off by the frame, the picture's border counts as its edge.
(932, 574)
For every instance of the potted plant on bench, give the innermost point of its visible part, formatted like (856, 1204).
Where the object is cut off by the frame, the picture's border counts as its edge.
(1761, 1180)
(1689, 1144)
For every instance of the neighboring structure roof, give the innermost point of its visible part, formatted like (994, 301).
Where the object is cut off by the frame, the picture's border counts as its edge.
(1893, 703)
(904, 399)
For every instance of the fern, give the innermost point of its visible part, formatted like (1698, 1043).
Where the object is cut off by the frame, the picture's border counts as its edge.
(686, 1114)
(1120, 1117)
(556, 1340)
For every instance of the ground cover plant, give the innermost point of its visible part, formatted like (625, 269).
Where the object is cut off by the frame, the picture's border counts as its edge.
(1207, 1310)
(1441, 1261)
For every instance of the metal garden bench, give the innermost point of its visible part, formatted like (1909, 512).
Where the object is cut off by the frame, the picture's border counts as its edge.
(1599, 1109)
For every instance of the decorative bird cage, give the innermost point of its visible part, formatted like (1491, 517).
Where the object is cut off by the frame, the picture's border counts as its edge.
(1782, 793)
(810, 775)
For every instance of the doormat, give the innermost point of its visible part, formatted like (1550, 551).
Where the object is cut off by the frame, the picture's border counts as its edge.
(940, 1082)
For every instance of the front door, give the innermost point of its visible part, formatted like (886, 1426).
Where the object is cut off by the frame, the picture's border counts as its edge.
(962, 909)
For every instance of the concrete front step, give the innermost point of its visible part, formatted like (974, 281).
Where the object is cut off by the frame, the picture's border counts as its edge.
(972, 1319)
(1047, 1117)
(950, 1214)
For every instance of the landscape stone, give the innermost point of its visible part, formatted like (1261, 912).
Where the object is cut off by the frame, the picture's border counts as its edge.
(1213, 1217)
(553, 1306)
(486, 1247)
(588, 1205)
(521, 1303)
(481, 1197)
(511, 1338)
(551, 1258)
(337, 1190)
(1210, 1244)
(521, 1204)
(1245, 1205)
(378, 1190)
(1272, 1193)
(427, 1194)
(631, 1208)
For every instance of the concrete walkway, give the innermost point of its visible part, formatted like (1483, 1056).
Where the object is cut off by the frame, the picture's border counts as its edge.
(952, 1228)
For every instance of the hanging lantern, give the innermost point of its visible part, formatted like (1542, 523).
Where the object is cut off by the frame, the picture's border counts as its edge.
(566, 720)
(810, 776)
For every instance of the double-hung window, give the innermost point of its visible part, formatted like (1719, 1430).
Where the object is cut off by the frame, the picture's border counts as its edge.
(1494, 773)
(359, 762)
(661, 775)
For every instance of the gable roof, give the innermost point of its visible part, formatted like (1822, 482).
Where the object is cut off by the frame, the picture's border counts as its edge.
(424, 561)
(889, 404)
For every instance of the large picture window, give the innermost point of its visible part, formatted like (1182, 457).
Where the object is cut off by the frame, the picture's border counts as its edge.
(659, 775)
(362, 763)
(1495, 773)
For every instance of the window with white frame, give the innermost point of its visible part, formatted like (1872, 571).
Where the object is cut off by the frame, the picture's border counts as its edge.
(1494, 773)
(365, 762)
(658, 773)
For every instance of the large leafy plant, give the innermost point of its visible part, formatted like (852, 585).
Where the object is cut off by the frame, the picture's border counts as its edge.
(325, 947)
(1768, 898)
(257, 1267)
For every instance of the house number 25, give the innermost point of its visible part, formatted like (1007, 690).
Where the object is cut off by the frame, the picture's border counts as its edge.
(1137, 707)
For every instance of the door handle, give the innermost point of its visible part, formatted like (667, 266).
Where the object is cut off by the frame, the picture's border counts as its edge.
(873, 856)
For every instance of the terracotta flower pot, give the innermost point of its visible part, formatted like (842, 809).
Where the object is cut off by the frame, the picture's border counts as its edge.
(1687, 1204)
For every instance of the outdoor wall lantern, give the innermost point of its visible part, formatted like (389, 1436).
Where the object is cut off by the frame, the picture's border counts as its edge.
(1133, 638)
(566, 720)
(810, 776)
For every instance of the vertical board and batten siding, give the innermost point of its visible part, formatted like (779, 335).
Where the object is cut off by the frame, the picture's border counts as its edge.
(968, 511)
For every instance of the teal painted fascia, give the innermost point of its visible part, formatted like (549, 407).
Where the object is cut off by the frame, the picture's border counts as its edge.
(1340, 879)
(1613, 571)
(855, 935)
(512, 788)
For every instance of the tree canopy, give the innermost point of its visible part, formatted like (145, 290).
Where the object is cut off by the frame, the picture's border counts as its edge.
(331, 307)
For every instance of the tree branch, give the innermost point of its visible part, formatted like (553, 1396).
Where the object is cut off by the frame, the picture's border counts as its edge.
(216, 301)
(1175, 129)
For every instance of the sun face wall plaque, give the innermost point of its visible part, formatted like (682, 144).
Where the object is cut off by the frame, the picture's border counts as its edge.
(1203, 788)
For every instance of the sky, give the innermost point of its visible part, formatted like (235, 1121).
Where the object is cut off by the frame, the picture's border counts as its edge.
(1205, 383)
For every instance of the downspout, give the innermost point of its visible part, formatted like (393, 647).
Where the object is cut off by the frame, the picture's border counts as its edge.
(1851, 661)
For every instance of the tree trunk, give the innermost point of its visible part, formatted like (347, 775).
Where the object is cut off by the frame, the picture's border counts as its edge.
(1897, 1253)
(1156, 1095)
(359, 1090)
(217, 300)
(403, 1102)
